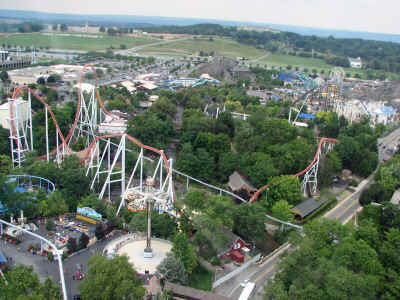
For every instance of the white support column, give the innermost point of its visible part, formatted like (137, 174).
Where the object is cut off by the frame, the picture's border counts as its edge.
(58, 159)
(161, 169)
(123, 164)
(170, 189)
(141, 169)
(47, 134)
(109, 172)
(98, 172)
(30, 118)
(108, 167)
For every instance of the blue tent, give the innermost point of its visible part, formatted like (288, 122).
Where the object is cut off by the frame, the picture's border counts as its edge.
(2, 258)
(306, 116)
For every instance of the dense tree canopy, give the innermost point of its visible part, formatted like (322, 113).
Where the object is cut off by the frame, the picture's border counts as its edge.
(23, 283)
(110, 279)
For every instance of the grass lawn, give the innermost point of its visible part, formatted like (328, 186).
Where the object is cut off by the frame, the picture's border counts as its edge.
(220, 46)
(72, 41)
(283, 60)
(201, 279)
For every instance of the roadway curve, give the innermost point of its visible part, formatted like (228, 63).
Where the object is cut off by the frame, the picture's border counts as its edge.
(311, 164)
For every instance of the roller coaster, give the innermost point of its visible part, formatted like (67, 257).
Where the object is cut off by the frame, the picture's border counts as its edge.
(105, 155)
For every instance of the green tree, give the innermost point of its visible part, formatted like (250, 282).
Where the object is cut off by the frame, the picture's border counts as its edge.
(374, 193)
(173, 270)
(5, 164)
(151, 129)
(110, 279)
(284, 187)
(195, 199)
(338, 266)
(83, 240)
(50, 225)
(258, 167)
(4, 76)
(41, 80)
(23, 283)
(164, 107)
(184, 251)
(53, 204)
(249, 221)
(4, 142)
(282, 211)
(71, 245)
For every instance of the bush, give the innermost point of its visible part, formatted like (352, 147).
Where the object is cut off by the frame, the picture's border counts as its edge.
(50, 225)
(215, 261)
(50, 256)
(353, 182)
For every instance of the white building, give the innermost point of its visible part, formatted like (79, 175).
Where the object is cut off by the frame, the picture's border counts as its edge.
(354, 110)
(20, 108)
(355, 62)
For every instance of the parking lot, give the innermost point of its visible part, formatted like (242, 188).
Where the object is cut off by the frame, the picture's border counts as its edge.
(19, 254)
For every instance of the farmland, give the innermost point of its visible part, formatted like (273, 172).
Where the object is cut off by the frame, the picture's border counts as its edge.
(83, 42)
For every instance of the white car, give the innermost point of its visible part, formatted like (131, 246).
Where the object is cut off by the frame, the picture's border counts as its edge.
(243, 284)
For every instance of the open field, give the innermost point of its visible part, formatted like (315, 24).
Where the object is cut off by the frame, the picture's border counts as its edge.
(74, 41)
(220, 46)
(278, 60)
(283, 60)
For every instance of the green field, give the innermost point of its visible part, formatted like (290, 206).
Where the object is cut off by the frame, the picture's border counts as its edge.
(278, 60)
(220, 46)
(283, 60)
(73, 41)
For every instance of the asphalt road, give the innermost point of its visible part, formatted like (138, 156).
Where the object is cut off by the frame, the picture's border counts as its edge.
(44, 268)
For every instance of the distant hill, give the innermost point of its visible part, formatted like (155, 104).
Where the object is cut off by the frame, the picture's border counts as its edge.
(341, 34)
(147, 21)
(117, 20)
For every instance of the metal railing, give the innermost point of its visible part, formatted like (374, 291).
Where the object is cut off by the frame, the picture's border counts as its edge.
(30, 181)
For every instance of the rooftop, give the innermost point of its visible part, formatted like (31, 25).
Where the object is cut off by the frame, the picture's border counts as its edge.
(307, 207)
(238, 182)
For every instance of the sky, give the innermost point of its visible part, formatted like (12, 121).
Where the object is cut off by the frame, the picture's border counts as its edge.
(359, 15)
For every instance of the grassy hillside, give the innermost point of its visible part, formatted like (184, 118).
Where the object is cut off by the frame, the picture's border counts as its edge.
(73, 41)
(220, 46)
(283, 60)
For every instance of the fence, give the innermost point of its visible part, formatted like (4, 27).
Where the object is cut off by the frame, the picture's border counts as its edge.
(235, 272)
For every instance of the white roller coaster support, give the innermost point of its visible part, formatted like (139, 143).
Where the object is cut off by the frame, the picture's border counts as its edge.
(58, 253)
(123, 195)
(311, 176)
(30, 118)
(47, 133)
(98, 166)
(121, 148)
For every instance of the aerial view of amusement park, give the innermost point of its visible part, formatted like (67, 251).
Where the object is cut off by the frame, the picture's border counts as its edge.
(170, 152)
